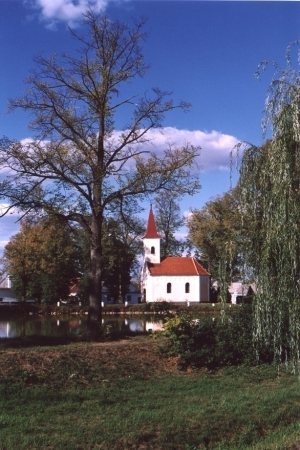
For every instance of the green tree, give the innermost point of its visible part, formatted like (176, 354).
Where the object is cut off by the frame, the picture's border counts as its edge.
(215, 231)
(270, 185)
(76, 168)
(168, 220)
(121, 246)
(42, 261)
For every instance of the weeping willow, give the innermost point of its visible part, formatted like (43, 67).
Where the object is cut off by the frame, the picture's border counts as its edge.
(225, 273)
(270, 196)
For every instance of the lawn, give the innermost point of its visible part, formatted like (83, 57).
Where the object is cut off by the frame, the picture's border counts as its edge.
(127, 395)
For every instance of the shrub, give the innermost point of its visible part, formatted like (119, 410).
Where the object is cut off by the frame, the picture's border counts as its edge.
(160, 306)
(209, 342)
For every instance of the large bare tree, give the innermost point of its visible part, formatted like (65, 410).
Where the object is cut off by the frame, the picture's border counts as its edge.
(78, 167)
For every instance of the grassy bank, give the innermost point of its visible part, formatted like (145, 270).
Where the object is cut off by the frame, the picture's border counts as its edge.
(126, 395)
(143, 308)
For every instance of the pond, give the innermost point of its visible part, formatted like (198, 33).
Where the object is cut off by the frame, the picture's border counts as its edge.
(70, 326)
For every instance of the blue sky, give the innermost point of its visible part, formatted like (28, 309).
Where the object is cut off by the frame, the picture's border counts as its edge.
(206, 53)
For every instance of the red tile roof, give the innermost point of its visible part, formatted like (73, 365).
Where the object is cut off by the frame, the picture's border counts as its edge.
(177, 265)
(151, 227)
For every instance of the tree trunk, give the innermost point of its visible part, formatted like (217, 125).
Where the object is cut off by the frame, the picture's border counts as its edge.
(95, 276)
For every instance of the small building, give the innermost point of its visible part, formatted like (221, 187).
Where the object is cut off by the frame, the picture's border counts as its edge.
(238, 291)
(175, 278)
(6, 293)
(133, 296)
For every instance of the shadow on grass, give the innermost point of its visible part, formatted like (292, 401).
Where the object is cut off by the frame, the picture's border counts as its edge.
(52, 341)
(36, 341)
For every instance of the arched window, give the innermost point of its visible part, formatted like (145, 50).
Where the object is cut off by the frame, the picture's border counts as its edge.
(187, 288)
(169, 288)
(152, 250)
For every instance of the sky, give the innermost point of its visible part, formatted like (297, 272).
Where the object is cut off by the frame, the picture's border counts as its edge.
(204, 52)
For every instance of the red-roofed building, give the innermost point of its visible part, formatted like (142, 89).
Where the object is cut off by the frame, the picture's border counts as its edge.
(175, 279)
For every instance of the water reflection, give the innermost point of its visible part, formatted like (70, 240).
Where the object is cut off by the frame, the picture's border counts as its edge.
(135, 325)
(66, 326)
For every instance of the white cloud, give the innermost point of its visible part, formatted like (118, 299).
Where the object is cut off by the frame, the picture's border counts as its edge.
(26, 141)
(2, 245)
(69, 11)
(9, 225)
(214, 156)
(180, 235)
(187, 214)
(215, 146)
(4, 209)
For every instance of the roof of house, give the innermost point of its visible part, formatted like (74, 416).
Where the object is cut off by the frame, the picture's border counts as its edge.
(177, 265)
(240, 288)
(151, 231)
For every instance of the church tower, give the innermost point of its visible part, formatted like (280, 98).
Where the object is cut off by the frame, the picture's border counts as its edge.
(151, 241)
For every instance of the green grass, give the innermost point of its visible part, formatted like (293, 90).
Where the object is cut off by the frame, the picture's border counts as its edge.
(125, 395)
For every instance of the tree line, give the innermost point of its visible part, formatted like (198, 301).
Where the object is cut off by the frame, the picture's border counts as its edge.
(45, 258)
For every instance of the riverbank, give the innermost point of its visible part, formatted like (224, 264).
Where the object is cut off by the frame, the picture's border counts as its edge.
(138, 309)
(127, 395)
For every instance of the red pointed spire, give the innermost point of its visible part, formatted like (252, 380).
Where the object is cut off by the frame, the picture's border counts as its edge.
(151, 231)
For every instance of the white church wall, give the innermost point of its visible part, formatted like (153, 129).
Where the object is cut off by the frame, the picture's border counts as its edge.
(154, 244)
(156, 288)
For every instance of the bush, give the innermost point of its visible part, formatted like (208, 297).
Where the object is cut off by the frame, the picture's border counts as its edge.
(207, 342)
(162, 307)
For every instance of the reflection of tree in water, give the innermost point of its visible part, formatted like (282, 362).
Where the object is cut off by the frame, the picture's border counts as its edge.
(60, 327)
(54, 326)
(154, 326)
(12, 328)
(116, 324)
(136, 325)
(3, 329)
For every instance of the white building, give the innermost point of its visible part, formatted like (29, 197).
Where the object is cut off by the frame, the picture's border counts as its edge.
(133, 295)
(239, 291)
(175, 278)
(6, 294)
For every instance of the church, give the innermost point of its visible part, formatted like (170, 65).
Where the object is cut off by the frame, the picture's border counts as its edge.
(175, 279)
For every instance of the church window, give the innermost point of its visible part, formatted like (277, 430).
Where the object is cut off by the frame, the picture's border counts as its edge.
(152, 250)
(187, 288)
(169, 288)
